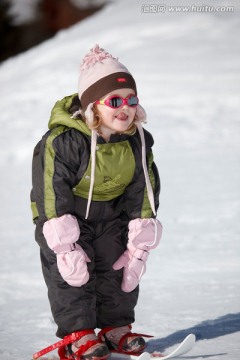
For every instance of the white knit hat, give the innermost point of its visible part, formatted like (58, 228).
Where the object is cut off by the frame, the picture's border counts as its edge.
(101, 73)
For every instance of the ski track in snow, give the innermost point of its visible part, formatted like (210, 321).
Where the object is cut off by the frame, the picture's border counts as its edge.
(187, 70)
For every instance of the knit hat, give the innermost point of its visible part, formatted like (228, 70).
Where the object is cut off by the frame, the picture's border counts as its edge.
(100, 74)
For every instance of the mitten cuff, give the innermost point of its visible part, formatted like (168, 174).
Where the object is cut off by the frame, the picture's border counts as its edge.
(60, 233)
(144, 234)
(140, 254)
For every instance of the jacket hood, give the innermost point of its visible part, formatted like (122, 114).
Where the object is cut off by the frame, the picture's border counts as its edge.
(60, 115)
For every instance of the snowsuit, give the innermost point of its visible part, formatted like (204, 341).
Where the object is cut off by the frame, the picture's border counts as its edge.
(61, 172)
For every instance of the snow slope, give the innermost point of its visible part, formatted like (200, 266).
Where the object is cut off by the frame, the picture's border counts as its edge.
(186, 65)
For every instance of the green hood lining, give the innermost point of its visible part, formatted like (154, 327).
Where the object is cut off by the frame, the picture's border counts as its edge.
(61, 116)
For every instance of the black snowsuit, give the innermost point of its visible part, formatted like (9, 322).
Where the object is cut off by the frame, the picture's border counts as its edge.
(60, 174)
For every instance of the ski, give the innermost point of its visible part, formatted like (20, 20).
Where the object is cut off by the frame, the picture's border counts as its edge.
(121, 356)
(185, 346)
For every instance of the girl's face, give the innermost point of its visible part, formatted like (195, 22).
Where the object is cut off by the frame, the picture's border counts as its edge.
(116, 120)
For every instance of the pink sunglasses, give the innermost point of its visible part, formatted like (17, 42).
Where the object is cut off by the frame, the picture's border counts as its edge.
(115, 101)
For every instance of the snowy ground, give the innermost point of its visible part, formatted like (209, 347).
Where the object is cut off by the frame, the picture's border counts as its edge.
(186, 65)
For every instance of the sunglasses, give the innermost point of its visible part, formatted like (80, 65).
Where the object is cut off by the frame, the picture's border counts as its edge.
(115, 101)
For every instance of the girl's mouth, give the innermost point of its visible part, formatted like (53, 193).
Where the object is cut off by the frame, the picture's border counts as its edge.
(122, 116)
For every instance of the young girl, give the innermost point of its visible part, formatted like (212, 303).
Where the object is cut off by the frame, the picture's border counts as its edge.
(94, 200)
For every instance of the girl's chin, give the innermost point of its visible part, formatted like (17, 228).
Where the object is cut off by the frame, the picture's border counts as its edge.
(122, 128)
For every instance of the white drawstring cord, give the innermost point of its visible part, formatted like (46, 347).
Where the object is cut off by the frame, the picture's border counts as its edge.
(93, 165)
(144, 164)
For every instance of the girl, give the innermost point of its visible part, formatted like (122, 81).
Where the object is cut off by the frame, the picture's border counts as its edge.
(94, 200)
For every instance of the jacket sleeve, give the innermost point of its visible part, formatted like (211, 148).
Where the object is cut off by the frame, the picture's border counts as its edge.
(56, 161)
(136, 200)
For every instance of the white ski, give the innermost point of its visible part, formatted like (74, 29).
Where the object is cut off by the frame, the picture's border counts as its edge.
(185, 346)
(120, 356)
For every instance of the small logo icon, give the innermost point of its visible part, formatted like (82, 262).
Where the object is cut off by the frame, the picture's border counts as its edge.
(122, 80)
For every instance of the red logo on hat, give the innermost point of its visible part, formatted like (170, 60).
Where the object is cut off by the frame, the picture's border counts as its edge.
(121, 80)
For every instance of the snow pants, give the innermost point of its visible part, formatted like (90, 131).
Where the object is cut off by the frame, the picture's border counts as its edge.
(100, 302)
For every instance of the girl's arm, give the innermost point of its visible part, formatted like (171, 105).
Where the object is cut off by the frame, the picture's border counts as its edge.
(56, 161)
(144, 230)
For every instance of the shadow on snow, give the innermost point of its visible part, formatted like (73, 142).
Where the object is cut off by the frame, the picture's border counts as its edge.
(208, 329)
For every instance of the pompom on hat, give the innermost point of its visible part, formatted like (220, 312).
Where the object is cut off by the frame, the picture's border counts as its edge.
(100, 74)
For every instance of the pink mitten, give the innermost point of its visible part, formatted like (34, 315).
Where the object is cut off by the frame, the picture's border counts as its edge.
(61, 235)
(73, 266)
(144, 235)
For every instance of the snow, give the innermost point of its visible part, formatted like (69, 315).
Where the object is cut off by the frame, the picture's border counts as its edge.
(186, 65)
